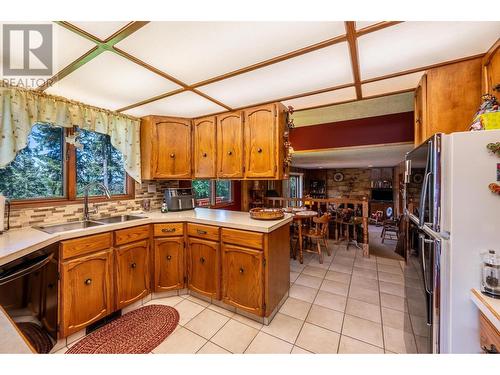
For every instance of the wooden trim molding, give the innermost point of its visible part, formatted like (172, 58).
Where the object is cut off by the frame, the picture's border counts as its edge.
(350, 27)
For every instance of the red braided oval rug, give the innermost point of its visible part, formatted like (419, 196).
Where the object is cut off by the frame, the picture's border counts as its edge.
(137, 332)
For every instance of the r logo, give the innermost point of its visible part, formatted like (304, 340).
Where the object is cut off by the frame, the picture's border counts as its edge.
(27, 50)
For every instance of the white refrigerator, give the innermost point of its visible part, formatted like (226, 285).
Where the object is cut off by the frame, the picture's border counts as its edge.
(457, 218)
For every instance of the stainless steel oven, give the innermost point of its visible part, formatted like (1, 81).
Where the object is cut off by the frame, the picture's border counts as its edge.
(29, 292)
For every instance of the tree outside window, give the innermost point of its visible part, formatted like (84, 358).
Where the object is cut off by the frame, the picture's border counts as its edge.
(212, 192)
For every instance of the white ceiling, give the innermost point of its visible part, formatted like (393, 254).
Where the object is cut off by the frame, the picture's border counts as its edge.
(355, 157)
(171, 56)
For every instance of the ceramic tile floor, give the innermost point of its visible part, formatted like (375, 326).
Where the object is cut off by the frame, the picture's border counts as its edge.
(348, 304)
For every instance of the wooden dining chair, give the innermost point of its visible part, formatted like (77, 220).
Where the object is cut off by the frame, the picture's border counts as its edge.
(319, 233)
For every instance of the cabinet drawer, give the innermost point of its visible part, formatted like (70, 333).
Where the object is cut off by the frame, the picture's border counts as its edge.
(85, 245)
(488, 334)
(242, 238)
(203, 231)
(124, 236)
(168, 230)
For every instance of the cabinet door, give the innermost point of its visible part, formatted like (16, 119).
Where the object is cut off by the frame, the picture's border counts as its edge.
(420, 111)
(204, 148)
(203, 267)
(230, 145)
(132, 272)
(173, 150)
(169, 264)
(260, 142)
(85, 291)
(243, 278)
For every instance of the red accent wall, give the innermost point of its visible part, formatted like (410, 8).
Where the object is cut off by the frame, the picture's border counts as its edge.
(393, 128)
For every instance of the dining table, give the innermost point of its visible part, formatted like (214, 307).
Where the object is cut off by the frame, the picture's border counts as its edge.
(298, 216)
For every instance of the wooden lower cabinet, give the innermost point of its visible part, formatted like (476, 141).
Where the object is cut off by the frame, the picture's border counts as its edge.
(203, 267)
(132, 272)
(86, 291)
(168, 264)
(243, 278)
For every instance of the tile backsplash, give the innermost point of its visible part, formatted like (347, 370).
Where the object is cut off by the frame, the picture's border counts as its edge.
(27, 217)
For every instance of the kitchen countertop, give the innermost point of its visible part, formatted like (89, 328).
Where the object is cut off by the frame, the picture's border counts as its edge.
(490, 307)
(11, 340)
(19, 242)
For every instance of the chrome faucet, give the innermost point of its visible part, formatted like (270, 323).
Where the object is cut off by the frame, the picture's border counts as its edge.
(86, 189)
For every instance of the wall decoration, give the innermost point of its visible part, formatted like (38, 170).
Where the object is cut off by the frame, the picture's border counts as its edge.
(418, 178)
(495, 188)
(494, 148)
(338, 177)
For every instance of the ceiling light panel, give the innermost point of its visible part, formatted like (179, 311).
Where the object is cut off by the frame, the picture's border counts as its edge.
(66, 47)
(102, 30)
(111, 82)
(323, 68)
(411, 45)
(185, 104)
(329, 97)
(196, 51)
(386, 86)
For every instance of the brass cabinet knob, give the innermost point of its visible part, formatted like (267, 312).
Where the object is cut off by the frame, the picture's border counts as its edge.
(259, 150)
(169, 257)
(242, 270)
(88, 281)
(204, 155)
(172, 155)
(133, 265)
(229, 153)
(202, 260)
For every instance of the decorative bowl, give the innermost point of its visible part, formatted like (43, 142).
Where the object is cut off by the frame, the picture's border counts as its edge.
(267, 213)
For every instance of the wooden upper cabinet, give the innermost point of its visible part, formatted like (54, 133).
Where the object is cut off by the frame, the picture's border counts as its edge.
(491, 70)
(230, 145)
(203, 267)
(204, 148)
(165, 148)
(243, 278)
(447, 98)
(261, 141)
(86, 291)
(420, 110)
(168, 264)
(132, 272)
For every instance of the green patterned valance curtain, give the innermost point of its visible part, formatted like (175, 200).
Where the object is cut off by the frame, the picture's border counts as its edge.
(20, 109)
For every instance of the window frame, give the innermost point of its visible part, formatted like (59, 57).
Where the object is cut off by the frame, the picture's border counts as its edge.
(69, 178)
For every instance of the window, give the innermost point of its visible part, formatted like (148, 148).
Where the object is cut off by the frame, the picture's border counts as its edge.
(98, 161)
(52, 171)
(38, 170)
(295, 185)
(212, 192)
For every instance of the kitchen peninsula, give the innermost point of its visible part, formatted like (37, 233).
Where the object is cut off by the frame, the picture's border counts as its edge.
(221, 256)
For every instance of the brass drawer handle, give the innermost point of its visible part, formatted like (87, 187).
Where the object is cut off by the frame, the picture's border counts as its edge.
(169, 257)
(133, 265)
(242, 270)
(204, 155)
(168, 230)
(172, 155)
(88, 281)
(202, 260)
(199, 231)
(259, 150)
(229, 153)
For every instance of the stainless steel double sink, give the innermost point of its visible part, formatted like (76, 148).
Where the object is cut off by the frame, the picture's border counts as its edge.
(56, 228)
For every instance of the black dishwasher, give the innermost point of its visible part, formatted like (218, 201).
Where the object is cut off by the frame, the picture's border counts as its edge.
(28, 293)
